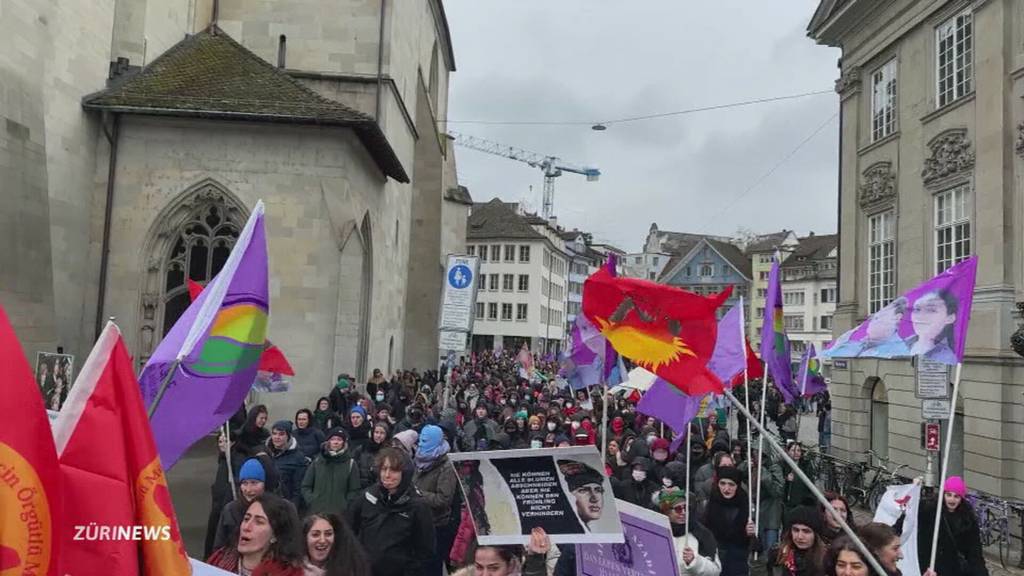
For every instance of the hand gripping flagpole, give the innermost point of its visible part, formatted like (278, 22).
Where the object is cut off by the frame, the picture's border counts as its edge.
(865, 553)
(945, 464)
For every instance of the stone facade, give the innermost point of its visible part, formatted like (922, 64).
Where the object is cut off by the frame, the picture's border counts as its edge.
(340, 232)
(928, 143)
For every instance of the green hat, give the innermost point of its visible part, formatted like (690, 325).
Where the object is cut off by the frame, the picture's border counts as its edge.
(671, 496)
(343, 382)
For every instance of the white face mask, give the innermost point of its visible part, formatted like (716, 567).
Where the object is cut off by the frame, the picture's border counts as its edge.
(667, 482)
(551, 426)
(536, 444)
(639, 475)
(380, 397)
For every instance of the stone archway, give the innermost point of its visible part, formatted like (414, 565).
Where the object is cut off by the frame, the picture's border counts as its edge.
(190, 239)
(878, 398)
(352, 328)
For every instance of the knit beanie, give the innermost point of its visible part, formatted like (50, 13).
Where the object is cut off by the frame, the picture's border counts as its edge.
(808, 516)
(252, 470)
(956, 485)
(337, 431)
(430, 439)
(343, 383)
(730, 473)
(408, 439)
(284, 426)
(659, 444)
(357, 409)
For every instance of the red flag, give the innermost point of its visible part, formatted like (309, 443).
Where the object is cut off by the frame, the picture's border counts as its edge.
(114, 485)
(272, 359)
(29, 476)
(666, 330)
(755, 369)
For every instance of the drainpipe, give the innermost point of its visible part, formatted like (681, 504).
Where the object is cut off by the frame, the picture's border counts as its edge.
(380, 60)
(111, 134)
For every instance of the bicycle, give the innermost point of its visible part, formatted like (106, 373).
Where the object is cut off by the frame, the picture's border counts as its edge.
(993, 516)
(870, 494)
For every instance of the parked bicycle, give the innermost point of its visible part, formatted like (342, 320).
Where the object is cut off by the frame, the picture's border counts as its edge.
(862, 492)
(993, 522)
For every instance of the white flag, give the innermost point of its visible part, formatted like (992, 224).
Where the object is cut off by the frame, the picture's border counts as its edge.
(897, 499)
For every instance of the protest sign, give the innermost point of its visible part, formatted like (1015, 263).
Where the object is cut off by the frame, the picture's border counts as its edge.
(648, 548)
(896, 501)
(562, 490)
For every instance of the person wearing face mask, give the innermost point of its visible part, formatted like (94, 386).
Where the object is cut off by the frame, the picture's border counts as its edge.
(437, 483)
(959, 551)
(332, 549)
(379, 438)
(659, 457)
(640, 488)
(392, 521)
(268, 542)
(332, 480)
(376, 384)
(695, 545)
(727, 515)
(799, 552)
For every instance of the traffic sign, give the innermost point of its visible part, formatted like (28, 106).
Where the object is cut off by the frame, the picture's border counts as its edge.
(935, 409)
(932, 379)
(931, 436)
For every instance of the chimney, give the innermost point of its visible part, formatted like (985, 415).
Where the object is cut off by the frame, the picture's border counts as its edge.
(553, 221)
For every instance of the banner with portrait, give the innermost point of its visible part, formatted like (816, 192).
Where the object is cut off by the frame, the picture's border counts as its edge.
(54, 375)
(647, 550)
(562, 490)
(929, 321)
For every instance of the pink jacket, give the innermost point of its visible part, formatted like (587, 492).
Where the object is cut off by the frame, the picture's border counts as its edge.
(463, 538)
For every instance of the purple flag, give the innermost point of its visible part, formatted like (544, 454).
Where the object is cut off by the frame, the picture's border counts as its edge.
(668, 404)
(583, 361)
(811, 380)
(218, 341)
(730, 355)
(930, 321)
(774, 342)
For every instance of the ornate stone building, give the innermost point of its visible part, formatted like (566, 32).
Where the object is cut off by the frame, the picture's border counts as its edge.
(137, 135)
(931, 105)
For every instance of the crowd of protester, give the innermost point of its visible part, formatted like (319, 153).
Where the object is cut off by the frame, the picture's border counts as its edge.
(367, 472)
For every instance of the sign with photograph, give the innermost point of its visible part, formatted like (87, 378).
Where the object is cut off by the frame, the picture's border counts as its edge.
(562, 490)
(271, 382)
(54, 375)
(647, 550)
(458, 298)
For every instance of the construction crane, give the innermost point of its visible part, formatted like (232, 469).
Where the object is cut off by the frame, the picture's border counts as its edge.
(552, 166)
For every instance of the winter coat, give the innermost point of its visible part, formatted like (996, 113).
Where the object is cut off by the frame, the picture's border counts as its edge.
(326, 419)
(727, 520)
(533, 566)
(228, 559)
(634, 492)
(358, 437)
(251, 440)
(475, 429)
(773, 488)
(331, 482)
(804, 567)
(795, 493)
(309, 440)
(291, 469)
(365, 458)
(437, 485)
(463, 538)
(959, 537)
(396, 530)
(702, 542)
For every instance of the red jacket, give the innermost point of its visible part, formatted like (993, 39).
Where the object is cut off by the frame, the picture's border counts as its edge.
(227, 558)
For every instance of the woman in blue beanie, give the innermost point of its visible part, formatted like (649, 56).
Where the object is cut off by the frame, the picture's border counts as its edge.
(438, 484)
(358, 427)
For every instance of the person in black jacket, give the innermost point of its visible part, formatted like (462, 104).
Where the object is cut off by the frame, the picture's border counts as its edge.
(251, 438)
(307, 434)
(959, 550)
(391, 520)
(640, 488)
(289, 462)
(727, 515)
(379, 438)
(358, 427)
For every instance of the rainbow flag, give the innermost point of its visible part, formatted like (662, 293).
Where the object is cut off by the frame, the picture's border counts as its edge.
(774, 341)
(217, 344)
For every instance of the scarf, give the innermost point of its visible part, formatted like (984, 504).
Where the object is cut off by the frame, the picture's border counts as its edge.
(425, 459)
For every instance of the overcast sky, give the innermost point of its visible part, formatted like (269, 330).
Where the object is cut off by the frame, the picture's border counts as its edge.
(588, 60)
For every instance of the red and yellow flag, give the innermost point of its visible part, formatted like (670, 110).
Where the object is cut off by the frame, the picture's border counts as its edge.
(664, 329)
(29, 475)
(118, 516)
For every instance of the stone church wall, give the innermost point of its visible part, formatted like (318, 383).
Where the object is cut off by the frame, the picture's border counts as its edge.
(319, 185)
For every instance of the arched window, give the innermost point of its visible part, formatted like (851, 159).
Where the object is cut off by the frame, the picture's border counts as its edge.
(879, 418)
(191, 238)
(202, 248)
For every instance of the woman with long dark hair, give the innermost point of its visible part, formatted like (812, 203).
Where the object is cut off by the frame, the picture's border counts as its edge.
(959, 550)
(307, 434)
(884, 544)
(831, 528)
(268, 542)
(332, 549)
(799, 552)
(844, 558)
(728, 517)
(253, 435)
(511, 560)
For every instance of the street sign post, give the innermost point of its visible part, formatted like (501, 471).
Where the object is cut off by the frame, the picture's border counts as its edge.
(932, 379)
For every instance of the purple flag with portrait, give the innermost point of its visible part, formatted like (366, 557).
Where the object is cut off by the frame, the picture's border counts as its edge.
(730, 355)
(218, 342)
(668, 404)
(583, 361)
(774, 341)
(611, 357)
(930, 321)
(810, 377)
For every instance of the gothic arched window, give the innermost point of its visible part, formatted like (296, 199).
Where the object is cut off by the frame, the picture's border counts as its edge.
(200, 251)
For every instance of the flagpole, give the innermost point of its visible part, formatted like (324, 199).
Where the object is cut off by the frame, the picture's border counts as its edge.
(686, 526)
(865, 553)
(945, 464)
(227, 457)
(163, 387)
(760, 445)
(604, 424)
(746, 400)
